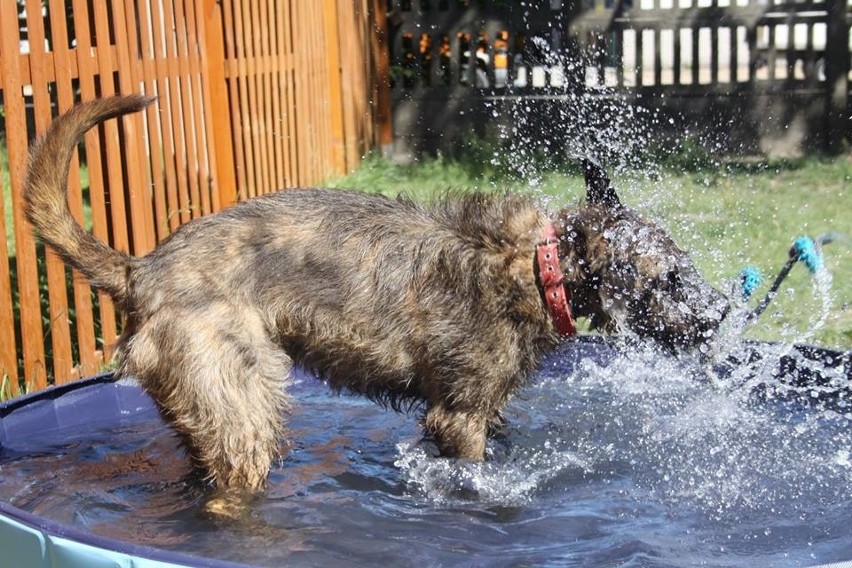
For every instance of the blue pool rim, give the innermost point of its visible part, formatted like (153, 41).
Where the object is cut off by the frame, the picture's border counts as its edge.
(28, 540)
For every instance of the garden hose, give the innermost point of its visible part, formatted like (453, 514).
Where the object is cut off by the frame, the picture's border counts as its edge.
(804, 250)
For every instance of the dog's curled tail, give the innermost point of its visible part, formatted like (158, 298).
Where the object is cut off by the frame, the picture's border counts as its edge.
(46, 194)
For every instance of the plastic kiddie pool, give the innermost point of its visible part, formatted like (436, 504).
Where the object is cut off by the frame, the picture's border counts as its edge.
(51, 416)
(594, 468)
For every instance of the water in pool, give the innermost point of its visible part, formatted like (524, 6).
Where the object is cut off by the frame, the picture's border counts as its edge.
(611, 457)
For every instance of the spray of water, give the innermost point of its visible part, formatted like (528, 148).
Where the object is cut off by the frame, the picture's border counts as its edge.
(656, 423)
(710, 446)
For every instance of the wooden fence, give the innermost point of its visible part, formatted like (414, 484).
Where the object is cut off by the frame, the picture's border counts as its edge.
(754, 75)
(254, 96)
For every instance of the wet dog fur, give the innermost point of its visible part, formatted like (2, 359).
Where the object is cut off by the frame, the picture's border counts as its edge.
(438, 306)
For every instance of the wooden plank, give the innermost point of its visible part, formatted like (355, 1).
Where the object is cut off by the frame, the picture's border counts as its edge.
(658, 55)
(714, 54)
(350, 76)
(114, 174)
(112, 184)
(187, 158)
(381, 55)
(640, 58)
(159, 175)
(789, 52)
(737, 56)
(169, 113)
(836, 119)
(257, 32)
(251, 37)
(248, 102)
(200, 147)
(315, 78)
(59, 328)
(32, 337)
(305, 70)
(87, 59)
(289, 88)
(696, 67)
(771, 57)
(329, 72)
(269, 119)
(8, 341)
(300, 102)
(216, 105)
(175, 115)
(676, 59)
(244, 113)
(278, 127)
(229, 23)
(307, 108)
(137, 174)
(90, 356)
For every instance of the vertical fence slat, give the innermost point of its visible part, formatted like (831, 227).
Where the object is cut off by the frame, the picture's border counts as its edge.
(245, 114)
(259, 36)
(32, 338)
(176, 145)
(380, 55)
(337, 160)
(299, 101)
(187, 156)
(8, 342)
(166, 71)
(200, 146)
(288, 85)
(149, 79)
(275, 66)
(231, 53)
(58, 325)
(265, 82)
(136, 174)
(212, 39)
(87, 71)
(90, 356)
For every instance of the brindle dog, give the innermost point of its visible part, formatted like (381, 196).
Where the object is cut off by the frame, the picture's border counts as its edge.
(441, 305)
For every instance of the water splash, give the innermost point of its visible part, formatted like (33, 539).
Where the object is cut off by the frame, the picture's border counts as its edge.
(657, 422)
(509, 479)
(570, 119)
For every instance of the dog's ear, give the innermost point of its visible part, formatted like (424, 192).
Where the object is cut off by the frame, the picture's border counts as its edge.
(599, 190)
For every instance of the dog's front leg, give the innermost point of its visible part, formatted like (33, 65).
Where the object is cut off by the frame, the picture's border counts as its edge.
(458, 433)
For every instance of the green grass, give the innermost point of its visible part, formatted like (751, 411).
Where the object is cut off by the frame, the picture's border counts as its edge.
(728, 216)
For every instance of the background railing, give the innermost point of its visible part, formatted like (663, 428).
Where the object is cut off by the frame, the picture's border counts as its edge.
(754, 75)
(254, 96)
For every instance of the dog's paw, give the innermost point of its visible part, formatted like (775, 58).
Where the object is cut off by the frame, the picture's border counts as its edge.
(229, 505)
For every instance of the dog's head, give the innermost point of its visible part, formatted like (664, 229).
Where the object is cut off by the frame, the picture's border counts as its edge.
(627, 273)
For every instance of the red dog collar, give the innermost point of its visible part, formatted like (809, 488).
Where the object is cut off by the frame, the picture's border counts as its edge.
(550, 274)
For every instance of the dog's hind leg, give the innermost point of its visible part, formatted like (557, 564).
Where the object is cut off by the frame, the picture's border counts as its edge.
(220, 380)
(457, 433)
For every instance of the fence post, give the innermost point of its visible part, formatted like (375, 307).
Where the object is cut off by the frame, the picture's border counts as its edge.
(32, 334)
(335, 86)
(220, 108)
(381, 58)
(836, 76)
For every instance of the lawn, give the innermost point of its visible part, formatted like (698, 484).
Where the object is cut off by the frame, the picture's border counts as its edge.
(728, 216)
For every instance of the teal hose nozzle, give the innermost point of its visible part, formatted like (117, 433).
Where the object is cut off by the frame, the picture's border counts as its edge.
(805, 251)
(750, 279)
